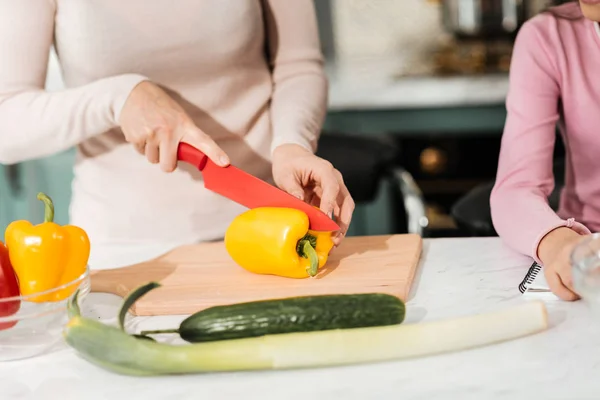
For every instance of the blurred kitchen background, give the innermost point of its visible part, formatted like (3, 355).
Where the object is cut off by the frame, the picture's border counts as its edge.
(416, 112)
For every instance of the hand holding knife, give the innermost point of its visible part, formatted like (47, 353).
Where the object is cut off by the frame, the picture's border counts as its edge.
(248, 190)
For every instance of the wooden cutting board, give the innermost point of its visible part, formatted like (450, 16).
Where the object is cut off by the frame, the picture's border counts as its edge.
(199, 276)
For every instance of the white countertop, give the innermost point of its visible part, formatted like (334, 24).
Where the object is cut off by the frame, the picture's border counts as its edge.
(456, 277)
(374, 84)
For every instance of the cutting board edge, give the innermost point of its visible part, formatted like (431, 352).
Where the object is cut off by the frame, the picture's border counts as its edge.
(417, 265)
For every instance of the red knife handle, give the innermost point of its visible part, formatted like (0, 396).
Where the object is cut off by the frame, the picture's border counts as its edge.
(191, 155)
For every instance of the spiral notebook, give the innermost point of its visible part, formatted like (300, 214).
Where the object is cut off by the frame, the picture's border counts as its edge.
(534, 282)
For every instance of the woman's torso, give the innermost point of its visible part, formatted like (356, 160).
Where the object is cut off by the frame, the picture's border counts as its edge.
(209, 55)
(577, 45)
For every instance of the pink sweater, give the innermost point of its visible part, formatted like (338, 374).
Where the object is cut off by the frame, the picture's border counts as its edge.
(208, 54)
(554, 59)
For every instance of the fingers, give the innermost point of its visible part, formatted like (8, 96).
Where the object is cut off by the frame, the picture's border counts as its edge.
(335, 199)
(330, 186)
(168, 152)
(313, 199)
(168, 155)
(332, 196)
(205, 144)
(151, 148)
(291, 185)
(155, 124)
(316, 182)
(162, 147)
(151, 152)
(567, 281)
(312, 195)
(344, 211)
(558, 287)
(140, 148)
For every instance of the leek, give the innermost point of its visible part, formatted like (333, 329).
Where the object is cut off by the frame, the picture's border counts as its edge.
(115, 350)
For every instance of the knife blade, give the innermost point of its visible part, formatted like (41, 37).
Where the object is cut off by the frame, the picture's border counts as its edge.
(248, 190)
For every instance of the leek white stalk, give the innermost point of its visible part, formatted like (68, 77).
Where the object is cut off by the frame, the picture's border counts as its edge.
(404, 341)
(113, 349)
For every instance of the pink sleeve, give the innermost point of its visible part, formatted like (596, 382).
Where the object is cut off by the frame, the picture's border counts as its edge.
(519, 200)
(35, 123)
(299, 100)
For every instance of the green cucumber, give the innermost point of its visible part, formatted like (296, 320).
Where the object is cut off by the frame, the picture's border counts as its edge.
(295, 314)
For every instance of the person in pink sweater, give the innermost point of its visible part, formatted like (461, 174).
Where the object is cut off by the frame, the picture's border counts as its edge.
(554, 78)
(241, 80)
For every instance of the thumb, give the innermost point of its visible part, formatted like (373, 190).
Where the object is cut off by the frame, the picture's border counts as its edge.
(291, 185)
(205, 144)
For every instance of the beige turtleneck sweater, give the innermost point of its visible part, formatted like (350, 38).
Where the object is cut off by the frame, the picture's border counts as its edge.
(208, 54)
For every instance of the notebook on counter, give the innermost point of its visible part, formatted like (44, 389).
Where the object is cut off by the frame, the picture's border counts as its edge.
(534, 282)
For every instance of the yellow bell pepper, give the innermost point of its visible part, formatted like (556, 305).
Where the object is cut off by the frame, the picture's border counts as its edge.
(277, 241)
(47, 256)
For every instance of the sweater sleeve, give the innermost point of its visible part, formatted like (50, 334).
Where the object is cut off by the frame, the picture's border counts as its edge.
(35, 123)
(299, 99)
(519, 200)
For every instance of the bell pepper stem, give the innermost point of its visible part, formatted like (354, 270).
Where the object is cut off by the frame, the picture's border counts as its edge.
(307, 250)
(48, 207)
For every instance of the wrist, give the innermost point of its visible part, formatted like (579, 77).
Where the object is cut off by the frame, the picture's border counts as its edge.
(287, 150)
(554, 241)
(130, 84)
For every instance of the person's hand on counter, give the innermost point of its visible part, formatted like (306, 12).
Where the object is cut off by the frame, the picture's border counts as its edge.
(155, 124)
(314, 180)
(554, 251)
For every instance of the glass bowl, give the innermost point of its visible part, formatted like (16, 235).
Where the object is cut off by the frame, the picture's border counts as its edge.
(585, 264)
(38, 324)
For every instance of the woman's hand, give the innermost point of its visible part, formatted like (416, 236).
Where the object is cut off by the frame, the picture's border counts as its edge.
(314, 180)
(155, 124)
(554, 251)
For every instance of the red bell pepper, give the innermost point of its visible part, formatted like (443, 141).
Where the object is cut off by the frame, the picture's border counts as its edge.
(9, 287)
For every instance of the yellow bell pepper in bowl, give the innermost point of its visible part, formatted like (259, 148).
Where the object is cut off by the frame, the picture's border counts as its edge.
(277, 241)
(50, 263)
(47, 256)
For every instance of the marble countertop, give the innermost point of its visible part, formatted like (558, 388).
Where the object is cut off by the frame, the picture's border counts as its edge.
(375, 84)
(455, 277)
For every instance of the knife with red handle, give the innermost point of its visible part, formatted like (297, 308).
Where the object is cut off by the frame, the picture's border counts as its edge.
(248, 190)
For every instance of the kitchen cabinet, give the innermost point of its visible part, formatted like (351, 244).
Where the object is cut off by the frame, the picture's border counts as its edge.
(53, 176)
(8, 199)
(487, 119)
(447, 150)
(12, 202)
(447, 127)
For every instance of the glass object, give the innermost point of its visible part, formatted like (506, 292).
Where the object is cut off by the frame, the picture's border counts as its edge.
(37, 326)
(585, 263)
